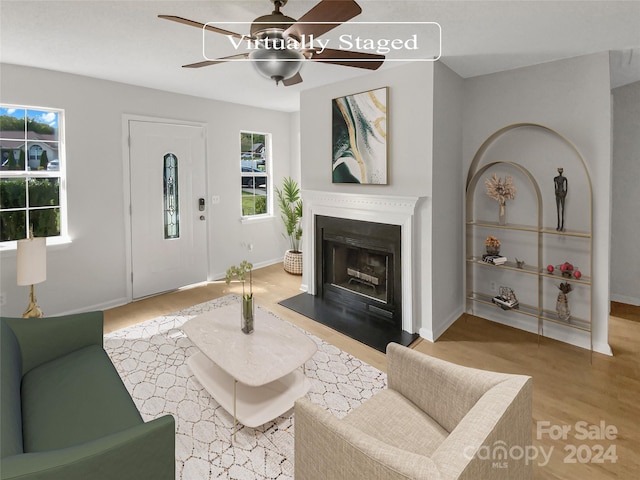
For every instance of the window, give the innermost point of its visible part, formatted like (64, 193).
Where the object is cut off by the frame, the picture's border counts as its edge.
(171, 201)
(32, 180)
(254, 168)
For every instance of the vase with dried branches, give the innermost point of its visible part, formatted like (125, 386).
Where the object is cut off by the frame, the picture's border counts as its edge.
(562, 304)
(501, 191)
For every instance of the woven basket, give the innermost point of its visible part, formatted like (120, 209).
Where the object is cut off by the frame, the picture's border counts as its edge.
(293, 262)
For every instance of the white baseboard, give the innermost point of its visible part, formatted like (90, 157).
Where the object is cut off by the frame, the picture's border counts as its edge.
(426, 334)
(433, 334)
(572, 337)
(92, 308)
(437, 332)
(267, 263)
(625, 299)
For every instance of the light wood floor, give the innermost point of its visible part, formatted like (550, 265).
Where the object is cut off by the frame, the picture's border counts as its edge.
(567, 388)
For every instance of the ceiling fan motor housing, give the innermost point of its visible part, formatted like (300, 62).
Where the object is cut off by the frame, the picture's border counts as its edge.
(266, 24)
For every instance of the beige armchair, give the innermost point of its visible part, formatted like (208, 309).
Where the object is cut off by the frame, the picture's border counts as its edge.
(436, 420)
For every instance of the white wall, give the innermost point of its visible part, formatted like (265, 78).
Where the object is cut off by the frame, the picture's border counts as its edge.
(90, 273)
(448, 195)
(412, 170)
(625, 221)
(572, 97)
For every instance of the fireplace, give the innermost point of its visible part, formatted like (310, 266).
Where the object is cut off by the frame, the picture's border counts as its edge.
(359, 256)
(358, 266)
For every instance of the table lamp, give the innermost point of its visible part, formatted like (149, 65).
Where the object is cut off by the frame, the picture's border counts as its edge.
(32, 269)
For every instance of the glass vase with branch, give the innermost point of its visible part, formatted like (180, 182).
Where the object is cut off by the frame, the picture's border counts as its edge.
(247, 312)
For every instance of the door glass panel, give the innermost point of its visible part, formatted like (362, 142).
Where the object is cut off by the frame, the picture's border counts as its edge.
(171, 210)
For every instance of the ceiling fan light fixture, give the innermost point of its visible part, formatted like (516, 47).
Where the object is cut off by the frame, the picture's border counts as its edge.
(277, 65)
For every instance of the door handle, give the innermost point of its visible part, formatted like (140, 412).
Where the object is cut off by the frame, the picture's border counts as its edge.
(201, 204)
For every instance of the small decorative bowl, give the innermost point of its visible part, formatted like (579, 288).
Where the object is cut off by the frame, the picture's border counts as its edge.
(493, 250)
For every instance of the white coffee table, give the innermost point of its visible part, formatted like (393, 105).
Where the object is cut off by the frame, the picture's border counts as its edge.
(254, 377)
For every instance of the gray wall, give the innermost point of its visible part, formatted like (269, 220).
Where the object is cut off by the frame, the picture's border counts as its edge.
(625, 193)
(448, 195)
(90, 272)
(573, 97)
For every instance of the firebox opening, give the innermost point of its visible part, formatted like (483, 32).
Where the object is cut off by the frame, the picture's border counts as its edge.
(358, 266)
(361, 271)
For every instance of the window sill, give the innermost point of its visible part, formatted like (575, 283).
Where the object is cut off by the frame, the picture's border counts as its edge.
(256, 219)
(8, 249)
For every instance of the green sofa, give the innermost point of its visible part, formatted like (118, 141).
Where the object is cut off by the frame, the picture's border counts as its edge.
(65, 413)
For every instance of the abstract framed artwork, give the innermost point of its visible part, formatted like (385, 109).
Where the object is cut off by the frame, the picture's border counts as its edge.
(359, 129)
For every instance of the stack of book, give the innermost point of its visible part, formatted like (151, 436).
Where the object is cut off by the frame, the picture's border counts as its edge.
(507, 299)
(506, 303)
(494, 259)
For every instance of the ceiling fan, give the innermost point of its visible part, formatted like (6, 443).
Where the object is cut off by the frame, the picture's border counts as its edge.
(279, 45)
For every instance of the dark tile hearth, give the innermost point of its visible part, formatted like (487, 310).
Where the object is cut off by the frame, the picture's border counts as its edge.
(365, 328)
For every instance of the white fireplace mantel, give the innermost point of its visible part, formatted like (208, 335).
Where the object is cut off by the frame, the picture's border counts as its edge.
(393, 210)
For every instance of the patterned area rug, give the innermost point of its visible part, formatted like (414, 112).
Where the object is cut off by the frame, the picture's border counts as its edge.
(151, 357)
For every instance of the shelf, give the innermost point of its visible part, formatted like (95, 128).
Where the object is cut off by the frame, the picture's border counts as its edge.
(566, 233)
(530, 228)
(506, 266)
(583, 279)
(486, 300)
(566, 243)
(573, 322)
(509, 226)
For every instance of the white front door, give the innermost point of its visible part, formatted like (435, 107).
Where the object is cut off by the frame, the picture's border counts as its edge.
(168, 223)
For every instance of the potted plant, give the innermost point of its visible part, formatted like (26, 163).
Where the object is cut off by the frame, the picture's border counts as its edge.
(240, 272)
(493, 245)
(291, 213)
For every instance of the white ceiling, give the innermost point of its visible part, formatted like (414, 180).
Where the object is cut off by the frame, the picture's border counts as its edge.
(124, 41)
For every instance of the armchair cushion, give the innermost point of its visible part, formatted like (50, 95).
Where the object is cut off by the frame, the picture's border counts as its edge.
(394, 420)
(328, 448)
(444, 390)
(74, 399)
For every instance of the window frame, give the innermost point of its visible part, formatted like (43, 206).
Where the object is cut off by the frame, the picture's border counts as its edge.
(267, 173)
(28, 173)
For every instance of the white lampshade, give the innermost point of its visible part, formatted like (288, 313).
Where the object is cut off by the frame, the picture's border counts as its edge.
(32, 261)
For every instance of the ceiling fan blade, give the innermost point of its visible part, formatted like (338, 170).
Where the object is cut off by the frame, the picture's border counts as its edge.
(206, 63)
(349, 58)
(193, 23)
(337, 11)
(293, 80)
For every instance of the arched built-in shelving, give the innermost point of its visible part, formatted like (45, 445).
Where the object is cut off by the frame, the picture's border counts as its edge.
(479, 273)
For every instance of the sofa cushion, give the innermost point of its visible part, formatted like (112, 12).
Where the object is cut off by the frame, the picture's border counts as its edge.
(10, 408)
(408, 428)
(74, 399)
